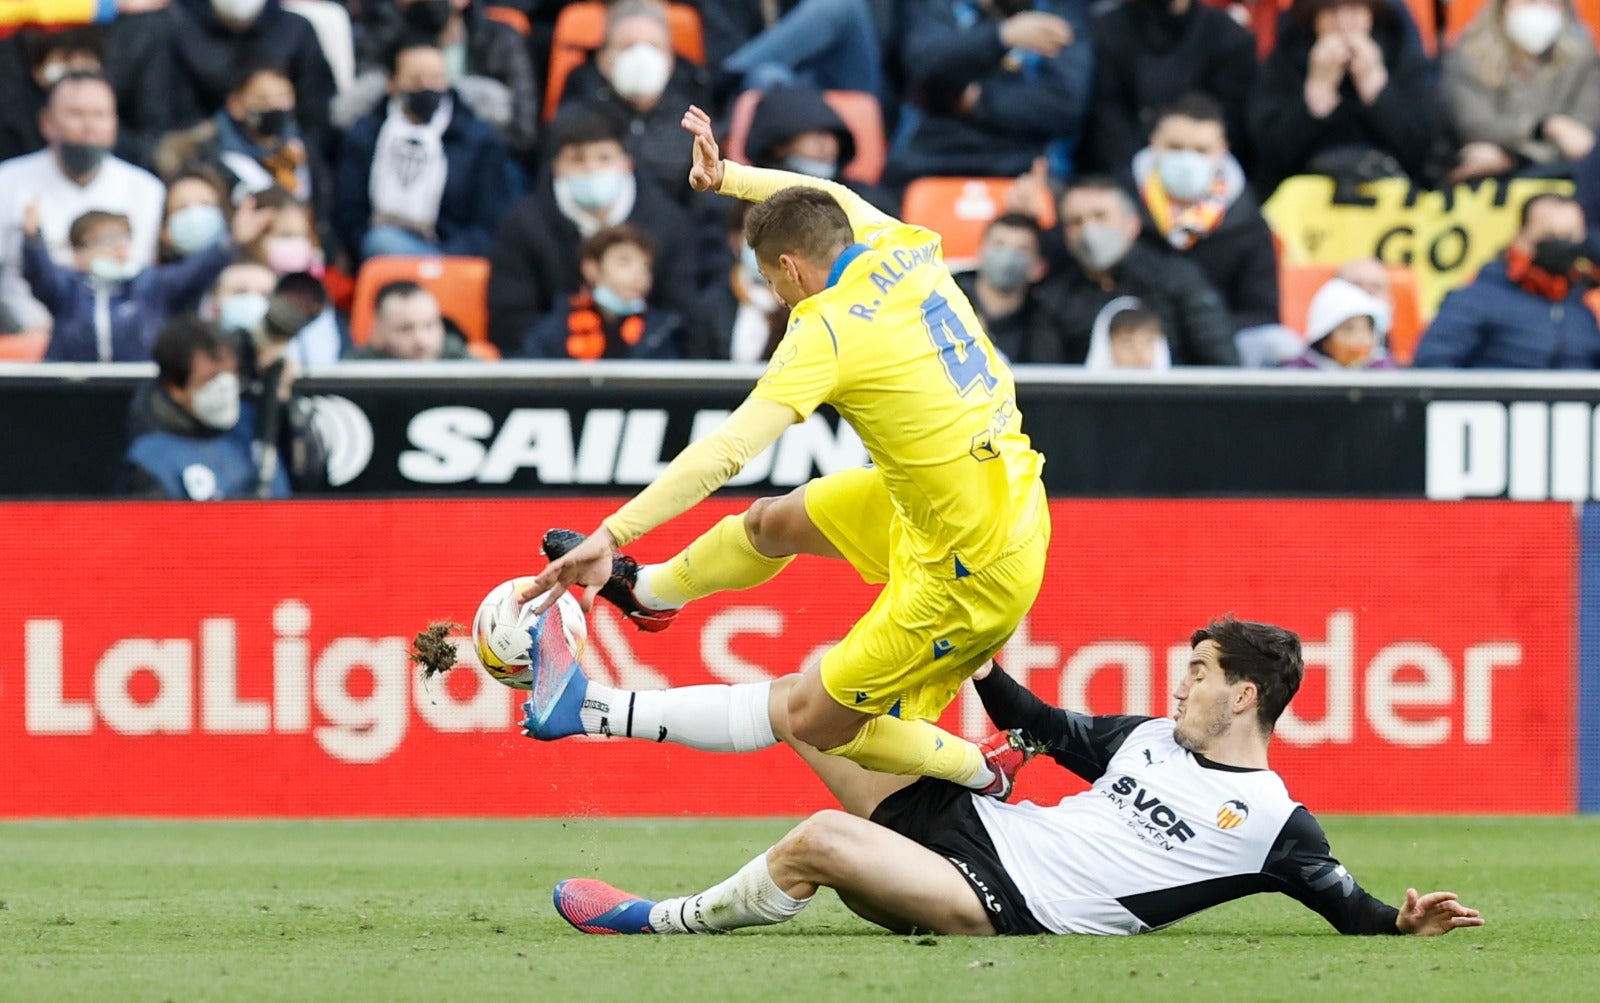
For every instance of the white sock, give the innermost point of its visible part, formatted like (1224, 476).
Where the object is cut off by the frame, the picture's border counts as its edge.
(647, 595)
(712, 718)
(749, 898)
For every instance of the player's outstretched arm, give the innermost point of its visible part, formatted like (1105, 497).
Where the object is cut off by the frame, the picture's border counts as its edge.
(1081, 743)
(703, 467)
(1434, 914)
(710, 172)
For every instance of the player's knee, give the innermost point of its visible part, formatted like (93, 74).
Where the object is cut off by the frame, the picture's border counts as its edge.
(814, 718)
(806, 852)
(770, 523)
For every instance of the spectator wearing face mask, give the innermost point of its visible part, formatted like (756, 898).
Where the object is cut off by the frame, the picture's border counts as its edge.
(106, 308)
(407, 326)
(1004, 290)
(1522, 88)
(1127, 336)
(290, 246)
(196, 215)
(638, 84)
(74, 174)
(794, 129)
(190, 434)
(29, 64)
(252, 143)
(1197, 203)
(237, 301)
(487, 62)
(1101, 224)
(610, 317)
(590, 186)
(424, 175)
(211, 39)
(1525, 311)
(1344, 330)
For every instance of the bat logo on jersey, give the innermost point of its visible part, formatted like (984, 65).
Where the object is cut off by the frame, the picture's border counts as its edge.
(1153, 820)
(1232, 814)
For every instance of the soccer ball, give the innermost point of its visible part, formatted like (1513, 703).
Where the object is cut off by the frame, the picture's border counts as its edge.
(507, 636)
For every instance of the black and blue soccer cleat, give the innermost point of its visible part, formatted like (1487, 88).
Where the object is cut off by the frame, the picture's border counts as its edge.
(618, 590)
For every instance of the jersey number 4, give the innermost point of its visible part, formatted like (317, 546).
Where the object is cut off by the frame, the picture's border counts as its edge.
(965, 362)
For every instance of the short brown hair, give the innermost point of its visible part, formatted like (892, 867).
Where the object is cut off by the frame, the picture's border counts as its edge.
(595, 246)
(78, 233)
(1259, 653)
(799, 220)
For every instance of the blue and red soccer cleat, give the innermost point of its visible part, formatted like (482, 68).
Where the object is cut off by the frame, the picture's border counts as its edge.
(618, 590)
(595, 907)
(554, 706)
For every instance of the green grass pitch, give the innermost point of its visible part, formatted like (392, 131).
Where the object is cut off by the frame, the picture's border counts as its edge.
(460, 910)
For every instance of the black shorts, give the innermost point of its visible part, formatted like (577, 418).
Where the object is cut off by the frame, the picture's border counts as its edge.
(939, 815)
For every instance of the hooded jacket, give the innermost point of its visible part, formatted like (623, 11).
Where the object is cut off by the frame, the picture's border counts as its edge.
(786, 112)
(1336, 302)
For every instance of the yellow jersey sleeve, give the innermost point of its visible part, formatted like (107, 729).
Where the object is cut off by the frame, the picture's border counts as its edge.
(757, 184)
(46, 12)
(804, 368)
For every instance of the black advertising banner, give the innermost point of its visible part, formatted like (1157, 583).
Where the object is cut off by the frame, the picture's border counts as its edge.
(522, 429)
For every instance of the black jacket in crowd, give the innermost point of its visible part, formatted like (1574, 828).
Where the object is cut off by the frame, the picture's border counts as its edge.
(1240, 261)
(786, 112)
(1029, 335)
(535, 263)
(1146, 57)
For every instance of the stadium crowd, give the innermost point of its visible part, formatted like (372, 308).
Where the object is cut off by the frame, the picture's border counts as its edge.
(165, 158)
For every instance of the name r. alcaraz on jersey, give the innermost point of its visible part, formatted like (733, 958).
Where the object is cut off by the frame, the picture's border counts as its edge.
(884, 276)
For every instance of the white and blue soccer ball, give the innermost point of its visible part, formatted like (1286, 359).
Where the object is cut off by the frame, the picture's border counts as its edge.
(503, 633)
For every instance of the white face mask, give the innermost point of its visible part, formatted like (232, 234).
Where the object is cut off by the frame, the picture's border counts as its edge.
(111, 271)
(641, 71)
(238, 11)
(1187, 175)
(241, 312)
(1535, 27)
(1100, 246)
(216, 403)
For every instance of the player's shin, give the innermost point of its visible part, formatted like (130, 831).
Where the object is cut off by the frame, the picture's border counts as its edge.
(749, 898)
(710, 718)
(722, 559)
(916, 748)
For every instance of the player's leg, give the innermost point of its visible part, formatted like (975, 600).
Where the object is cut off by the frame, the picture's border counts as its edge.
(894, 881)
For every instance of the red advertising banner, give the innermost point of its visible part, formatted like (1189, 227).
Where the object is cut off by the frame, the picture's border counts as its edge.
(250, 659)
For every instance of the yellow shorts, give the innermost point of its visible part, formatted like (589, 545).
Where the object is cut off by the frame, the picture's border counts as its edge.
(925, 634)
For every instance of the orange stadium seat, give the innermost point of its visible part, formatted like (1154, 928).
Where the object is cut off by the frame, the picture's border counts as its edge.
(959, 209)
(861, 113)
(1298, 283)
(581, 28)
(460, 284)
(511, 18)
(1459, 13)
(25, 347)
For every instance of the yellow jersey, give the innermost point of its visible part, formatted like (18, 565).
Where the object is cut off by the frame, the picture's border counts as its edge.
(894, 346)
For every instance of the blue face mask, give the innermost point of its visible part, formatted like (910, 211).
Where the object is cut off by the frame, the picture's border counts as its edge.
(810, 166)
(611, 303)
(593, 191)
(195, 228)
(241, 312)
(1186, 174)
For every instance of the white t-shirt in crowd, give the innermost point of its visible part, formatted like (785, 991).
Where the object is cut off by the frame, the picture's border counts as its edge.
(118, 186)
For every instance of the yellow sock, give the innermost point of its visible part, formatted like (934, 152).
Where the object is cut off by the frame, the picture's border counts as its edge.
(905, 748)
(721, 559)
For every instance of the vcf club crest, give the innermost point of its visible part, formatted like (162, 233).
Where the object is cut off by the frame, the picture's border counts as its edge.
(1232, 814)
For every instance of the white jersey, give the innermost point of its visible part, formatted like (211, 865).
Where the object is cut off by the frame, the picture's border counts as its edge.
(1163, 832)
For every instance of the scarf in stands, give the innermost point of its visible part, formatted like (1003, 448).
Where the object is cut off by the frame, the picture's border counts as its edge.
(258, 167)
(409, 167)
(1183, 226)
(586, 332)
(1521, 270)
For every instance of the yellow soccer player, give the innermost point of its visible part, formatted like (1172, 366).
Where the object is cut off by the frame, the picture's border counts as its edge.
(952, 516)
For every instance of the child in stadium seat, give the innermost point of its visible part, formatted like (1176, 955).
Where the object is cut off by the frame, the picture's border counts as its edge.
(1127, 336)
(1343, 330)
(610, 318)
(107, 308)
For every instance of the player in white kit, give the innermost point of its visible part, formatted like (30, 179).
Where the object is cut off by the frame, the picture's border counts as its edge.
(1183, 814)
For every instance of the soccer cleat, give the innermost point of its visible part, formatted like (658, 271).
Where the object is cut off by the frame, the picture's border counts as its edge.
(595, 907)
(1005, 752)
(554, 708)
(618, 591)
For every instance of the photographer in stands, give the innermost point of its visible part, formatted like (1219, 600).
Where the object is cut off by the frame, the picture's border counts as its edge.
(1525, 311)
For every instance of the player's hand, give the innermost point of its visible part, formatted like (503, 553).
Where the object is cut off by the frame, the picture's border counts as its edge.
(1434, 914)
(1036, 31)
(588, 564)
(705, 175)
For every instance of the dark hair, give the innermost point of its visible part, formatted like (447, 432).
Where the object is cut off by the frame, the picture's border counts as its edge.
(1303, 13)
(207, 175)
(1194, 105)
(580, 127)
(1101, 183)
(76, 77)
(798, 220)
(403, 289)
(1017, 221)
(1553, 197)
(180, 340)
(250, 69)
(595, 246)
(409, 40)
(277, 197)
(1259, 653)
(37, 46)
(78, 233)
(1132, 319)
